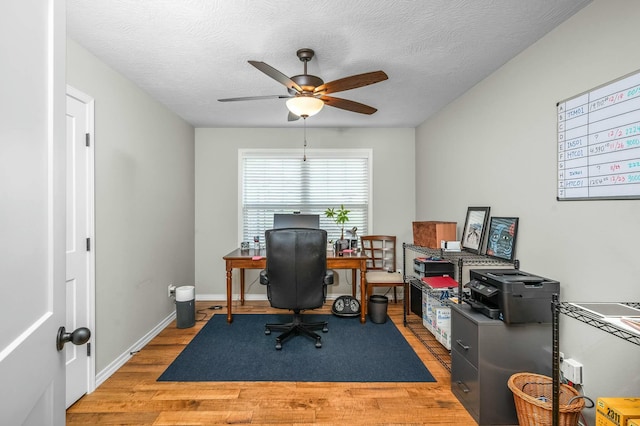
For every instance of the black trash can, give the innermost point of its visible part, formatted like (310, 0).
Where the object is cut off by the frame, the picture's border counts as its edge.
(377, 308)
(185, 306)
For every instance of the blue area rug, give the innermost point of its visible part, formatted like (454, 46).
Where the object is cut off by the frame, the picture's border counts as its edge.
(351, 352)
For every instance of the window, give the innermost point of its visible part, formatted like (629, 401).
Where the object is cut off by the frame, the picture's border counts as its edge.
(278, 181)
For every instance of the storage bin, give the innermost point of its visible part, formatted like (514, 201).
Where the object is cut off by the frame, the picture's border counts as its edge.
(617, 411)
(533, 396)
(431, 233)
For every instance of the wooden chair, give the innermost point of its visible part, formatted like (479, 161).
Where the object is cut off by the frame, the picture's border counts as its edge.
(381, 263)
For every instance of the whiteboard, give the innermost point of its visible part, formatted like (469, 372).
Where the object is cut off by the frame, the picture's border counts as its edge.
(599, 142)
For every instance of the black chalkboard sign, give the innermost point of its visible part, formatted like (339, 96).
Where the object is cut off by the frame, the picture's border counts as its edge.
(599, 142)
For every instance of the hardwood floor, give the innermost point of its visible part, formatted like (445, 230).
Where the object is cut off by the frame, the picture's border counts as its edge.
(133, 396)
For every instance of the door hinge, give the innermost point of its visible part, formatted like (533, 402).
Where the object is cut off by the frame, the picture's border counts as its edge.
(89, 349)
(87, 139)
(88, 244)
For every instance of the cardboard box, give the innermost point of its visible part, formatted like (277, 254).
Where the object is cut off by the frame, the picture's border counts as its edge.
(436, 315)
(425, 315)
(426, 310)
(445, 339)
(443, 318)
(432, 304)
(439, 319)
(443, 326)
(616, 411)
(430, 234)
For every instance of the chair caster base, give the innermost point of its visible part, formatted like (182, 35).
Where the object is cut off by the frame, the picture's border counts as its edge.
(297, 328)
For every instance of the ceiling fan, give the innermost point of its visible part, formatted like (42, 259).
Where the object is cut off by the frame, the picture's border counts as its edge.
(308, 93)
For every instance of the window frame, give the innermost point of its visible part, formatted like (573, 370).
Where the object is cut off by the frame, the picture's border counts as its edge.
(310, 153)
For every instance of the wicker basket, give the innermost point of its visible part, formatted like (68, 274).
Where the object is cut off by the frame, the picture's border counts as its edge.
(533, 396)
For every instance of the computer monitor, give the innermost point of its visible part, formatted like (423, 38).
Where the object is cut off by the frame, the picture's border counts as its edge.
(283, 220)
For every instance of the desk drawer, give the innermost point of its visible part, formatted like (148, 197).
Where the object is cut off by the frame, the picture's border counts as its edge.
(464, 337)
(465, 384)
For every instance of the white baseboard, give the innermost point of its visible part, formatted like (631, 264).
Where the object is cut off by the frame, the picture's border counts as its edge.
(223, 297)
(122, 359)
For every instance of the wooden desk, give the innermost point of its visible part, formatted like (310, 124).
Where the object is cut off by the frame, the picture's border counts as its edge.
(243, 259)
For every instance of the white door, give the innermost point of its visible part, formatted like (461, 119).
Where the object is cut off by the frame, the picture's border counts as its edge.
(32, 211)
(80, 242)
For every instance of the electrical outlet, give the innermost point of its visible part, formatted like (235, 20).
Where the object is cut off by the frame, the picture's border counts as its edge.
(171, 290)
(572, 370)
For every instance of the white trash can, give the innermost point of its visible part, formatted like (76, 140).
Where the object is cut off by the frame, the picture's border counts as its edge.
(185, 306)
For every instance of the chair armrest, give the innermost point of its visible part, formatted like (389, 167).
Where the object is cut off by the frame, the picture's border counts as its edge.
(328, 278)
(264, 278)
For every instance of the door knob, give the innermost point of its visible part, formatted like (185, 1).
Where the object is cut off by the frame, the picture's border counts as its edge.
(79, 336)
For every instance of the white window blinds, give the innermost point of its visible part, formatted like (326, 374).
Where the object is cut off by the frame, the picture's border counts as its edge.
(278, 181)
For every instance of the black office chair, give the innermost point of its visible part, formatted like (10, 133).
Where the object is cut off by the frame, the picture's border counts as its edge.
(296, 277)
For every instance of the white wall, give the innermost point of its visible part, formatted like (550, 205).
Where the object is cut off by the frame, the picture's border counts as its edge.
(496, 146)
(217, 215)
(144, 196)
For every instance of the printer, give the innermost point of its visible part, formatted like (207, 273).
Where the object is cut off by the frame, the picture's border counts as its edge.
(511, 295)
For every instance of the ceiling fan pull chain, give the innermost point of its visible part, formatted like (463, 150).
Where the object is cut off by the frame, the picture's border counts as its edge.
(304, 150)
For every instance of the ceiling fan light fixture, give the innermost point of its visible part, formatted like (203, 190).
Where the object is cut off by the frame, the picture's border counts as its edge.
(305, 105)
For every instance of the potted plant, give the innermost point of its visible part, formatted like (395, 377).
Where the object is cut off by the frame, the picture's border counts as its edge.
(340, 217)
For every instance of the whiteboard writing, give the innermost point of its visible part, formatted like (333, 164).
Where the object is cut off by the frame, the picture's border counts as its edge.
(599, 142)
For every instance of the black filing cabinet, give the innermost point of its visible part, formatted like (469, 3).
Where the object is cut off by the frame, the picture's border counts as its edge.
(485, 353)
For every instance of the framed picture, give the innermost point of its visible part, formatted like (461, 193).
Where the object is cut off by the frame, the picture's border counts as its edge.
(474, 227)
(501, 241)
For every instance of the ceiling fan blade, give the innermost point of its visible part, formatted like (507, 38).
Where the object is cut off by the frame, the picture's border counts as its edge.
(255, 98)
(348, 105)
(352, 82)
(276, 75)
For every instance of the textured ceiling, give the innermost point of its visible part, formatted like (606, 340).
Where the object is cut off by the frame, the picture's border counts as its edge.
(189, 53)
